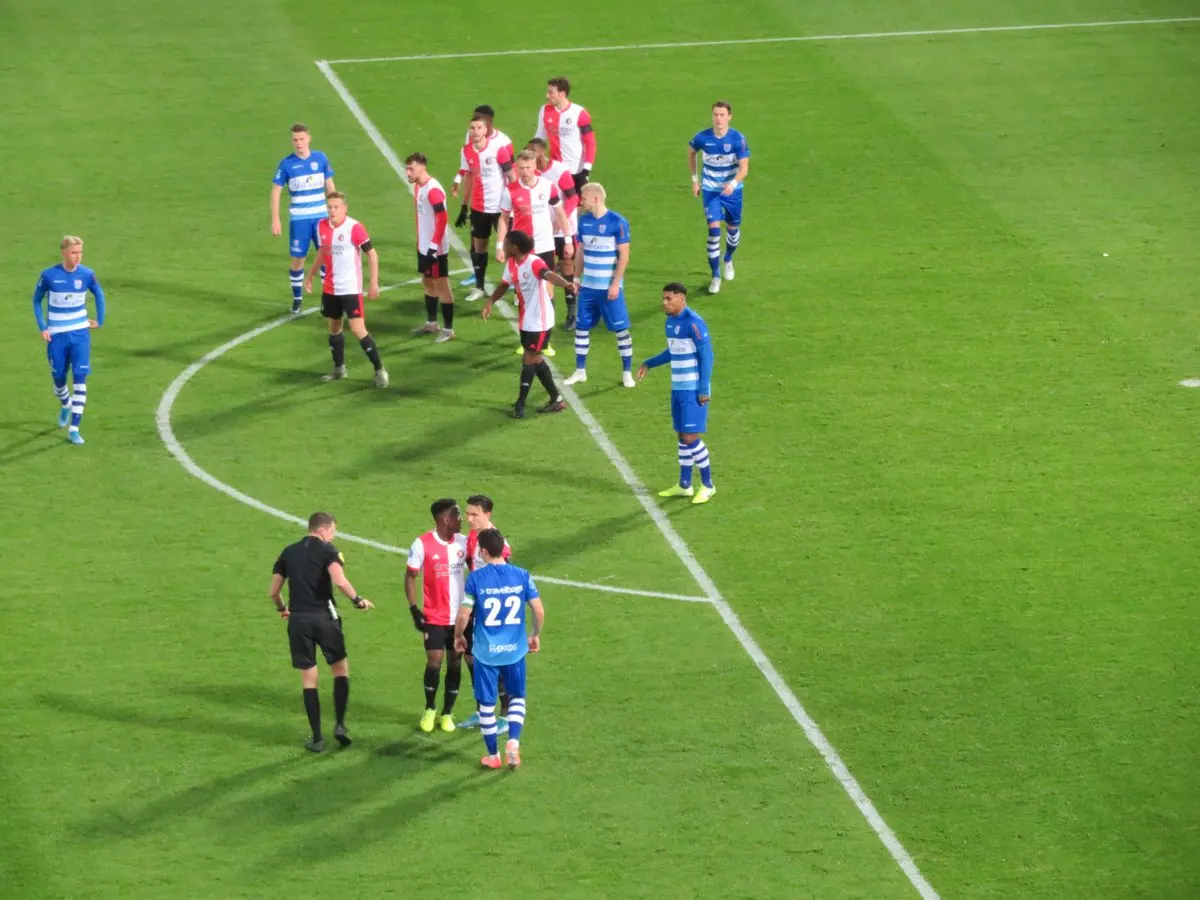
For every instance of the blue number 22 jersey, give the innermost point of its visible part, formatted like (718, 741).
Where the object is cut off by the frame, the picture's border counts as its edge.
(499, 594)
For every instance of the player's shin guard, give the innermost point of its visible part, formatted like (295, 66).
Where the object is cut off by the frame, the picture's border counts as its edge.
(337, 347)
(733, 234)
(516, 718)
(78, 402)
(453, 681)
(369, 348)
(448, 316)
(432, 677)
(341, 697)
(527, 373)
(431, 305)
(625, 348)
(487, 727)
(296, 277)
(700, 459)
(685, 465)
(546, 377)
(714, 249)
(312, 706)
(479, 262)
(583, 342)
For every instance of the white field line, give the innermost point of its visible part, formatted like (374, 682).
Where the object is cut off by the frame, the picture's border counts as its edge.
(790, 39)
(848, 782)
(176, 449)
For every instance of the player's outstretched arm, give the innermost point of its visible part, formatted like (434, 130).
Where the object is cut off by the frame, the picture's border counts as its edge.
(500, 291)
(275, 590)
(654, 362)
(338, 576)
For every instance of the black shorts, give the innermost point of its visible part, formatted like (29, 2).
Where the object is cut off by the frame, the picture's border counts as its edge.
(307, 631)
(535, 341)
(434, 267)
(469, 634)
(483, 224)
(439, 637)
(560, 247)
(334, 306)
(547, 257)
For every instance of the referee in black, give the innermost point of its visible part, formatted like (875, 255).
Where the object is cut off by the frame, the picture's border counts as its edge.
(311, 567)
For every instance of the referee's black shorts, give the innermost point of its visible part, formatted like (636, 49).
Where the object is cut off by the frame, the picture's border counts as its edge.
(308, 631)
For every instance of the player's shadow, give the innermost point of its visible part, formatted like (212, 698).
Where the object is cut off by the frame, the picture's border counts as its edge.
(101, 710)
(208, 422)
(552, 471)
(431, 442)
(274, 699)
(189, 293)
(33, 440)
(540, 553)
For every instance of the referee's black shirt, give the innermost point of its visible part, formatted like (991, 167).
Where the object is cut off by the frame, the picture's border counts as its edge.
(305, 565)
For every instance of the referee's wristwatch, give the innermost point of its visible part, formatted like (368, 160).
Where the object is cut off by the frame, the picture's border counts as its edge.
(357, 601)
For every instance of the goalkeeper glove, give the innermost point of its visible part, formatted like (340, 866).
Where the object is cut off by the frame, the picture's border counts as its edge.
(462, 217)
(418, 618)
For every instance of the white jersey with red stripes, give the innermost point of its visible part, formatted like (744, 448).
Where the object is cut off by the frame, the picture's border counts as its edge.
(531, 209)
(443, 569)
(535, 304)
(475, 555)
(561, 177)
(490, 166)
(342, 245)
(426, 197)
(569, 133)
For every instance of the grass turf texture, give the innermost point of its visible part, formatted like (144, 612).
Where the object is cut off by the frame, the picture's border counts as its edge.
(957, 509)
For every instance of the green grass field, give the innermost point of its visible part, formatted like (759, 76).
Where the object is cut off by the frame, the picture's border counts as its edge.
(958, 493)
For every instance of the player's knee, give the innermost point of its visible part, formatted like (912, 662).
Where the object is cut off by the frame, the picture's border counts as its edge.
(309, 677)
(341, 668)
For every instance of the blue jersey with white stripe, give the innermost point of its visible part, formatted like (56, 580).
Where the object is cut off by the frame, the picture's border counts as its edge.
(499, 592)
(66, 296)
(599, 238)
(722, 156)
(689, 351)
(305, 183)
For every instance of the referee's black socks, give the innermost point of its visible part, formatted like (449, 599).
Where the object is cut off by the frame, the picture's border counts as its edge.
(312, 706)
(479, 262)
(337, 346)
(546, 377)
(341, 697)
(369, 348)
(432, 677)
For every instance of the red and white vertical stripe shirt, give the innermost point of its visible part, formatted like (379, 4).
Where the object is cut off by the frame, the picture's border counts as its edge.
(490, 166)
(342, 249)
(475, 555)
(432, 218)
(531, 209)
(443, 569)
(535, 304)
(558, 175)
(569, 133)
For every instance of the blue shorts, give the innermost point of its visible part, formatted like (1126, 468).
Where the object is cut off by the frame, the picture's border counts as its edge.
(486, 680)
(301, 233)
(687, 415)
(71, 349)
(594, 305)
(718, 206)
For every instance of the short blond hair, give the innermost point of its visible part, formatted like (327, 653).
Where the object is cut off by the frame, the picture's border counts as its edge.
(595, 187)
(527, 156)
(70, 240)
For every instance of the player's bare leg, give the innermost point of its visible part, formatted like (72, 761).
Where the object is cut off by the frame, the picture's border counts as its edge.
(431, 307)
(358, 326)
(337, 348)
(433, 675)
(446, 295)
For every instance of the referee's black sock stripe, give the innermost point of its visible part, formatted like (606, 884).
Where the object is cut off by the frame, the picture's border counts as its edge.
(312, 706)
(432, 677)
(448, 314)
(526, 382)
(546, 377)
(341, 697)
(369, 348)
(337, 346)
(431, 305)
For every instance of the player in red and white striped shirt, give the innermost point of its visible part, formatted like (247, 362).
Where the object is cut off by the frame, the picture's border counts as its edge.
(485, 167)
(568, 128)
(528, 274)
(439, 559)
(561, 177)
(433, 246)
(537, 209)
(341, 243)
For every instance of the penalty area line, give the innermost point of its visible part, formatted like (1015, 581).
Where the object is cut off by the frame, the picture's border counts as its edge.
(810, 728)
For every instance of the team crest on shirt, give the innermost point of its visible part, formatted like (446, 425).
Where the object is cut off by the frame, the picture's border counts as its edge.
(461, 554)
(677, 329)
(567, 120)
(315, 166)
(341, 236)
(602, 227)
(728, 147)
(78, 284)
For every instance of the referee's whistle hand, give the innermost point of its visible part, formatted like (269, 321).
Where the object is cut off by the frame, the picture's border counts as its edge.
(364, 603)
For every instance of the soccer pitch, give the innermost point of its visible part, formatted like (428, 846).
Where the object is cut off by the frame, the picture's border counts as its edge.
(933, 636)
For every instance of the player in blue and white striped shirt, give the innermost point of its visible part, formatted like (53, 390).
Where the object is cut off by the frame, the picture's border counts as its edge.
(308, 178)
(601, 254)
(65, 328)
(689, 351)
(726, 164)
